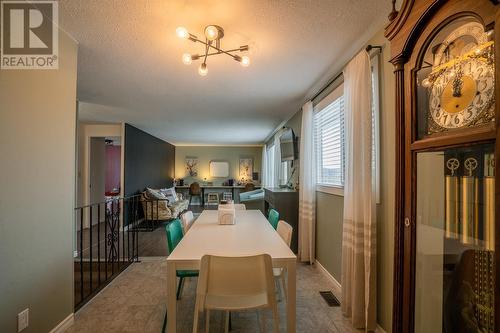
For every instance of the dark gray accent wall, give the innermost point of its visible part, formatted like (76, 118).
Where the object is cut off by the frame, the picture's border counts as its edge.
(149, 161)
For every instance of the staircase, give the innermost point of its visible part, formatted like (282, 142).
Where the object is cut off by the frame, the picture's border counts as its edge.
(95, 276)
(107, 243)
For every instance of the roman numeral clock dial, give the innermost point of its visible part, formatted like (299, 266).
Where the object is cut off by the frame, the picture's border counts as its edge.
(461, 82)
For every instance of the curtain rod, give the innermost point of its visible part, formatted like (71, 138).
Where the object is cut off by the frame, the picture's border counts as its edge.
(368, 48)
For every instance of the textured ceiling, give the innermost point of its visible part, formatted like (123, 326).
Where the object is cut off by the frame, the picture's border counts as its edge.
(130, 69)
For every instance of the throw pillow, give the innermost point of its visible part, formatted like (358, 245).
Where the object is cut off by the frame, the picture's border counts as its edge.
(153, 194)
(170, 194)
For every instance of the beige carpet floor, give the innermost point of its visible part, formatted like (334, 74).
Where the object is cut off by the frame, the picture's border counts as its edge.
(136, 302)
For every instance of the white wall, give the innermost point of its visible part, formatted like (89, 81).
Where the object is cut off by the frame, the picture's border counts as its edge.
(85, 132)
(37, 177)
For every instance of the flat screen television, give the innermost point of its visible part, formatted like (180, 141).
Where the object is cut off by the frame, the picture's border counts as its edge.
(288, 145)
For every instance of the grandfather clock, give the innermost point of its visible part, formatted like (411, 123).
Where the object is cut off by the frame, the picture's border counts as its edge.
(447, 239)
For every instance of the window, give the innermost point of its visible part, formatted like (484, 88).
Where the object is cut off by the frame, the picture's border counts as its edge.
(285, 172)
(329, 140)
(270, 175)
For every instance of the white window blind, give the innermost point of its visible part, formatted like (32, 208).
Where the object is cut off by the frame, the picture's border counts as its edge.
(329, 139)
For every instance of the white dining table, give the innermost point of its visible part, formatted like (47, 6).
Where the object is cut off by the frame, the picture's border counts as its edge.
(251, 234)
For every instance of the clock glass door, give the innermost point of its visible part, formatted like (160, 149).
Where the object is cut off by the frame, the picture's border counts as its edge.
(455, 83)
(455, 216)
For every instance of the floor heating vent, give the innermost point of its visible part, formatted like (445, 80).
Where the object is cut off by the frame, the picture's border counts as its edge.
(329, 298)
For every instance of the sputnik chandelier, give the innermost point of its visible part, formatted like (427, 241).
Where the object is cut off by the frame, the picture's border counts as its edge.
(213, 35)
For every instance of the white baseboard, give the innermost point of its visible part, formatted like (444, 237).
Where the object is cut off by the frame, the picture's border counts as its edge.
(64, 325)
(337, 288)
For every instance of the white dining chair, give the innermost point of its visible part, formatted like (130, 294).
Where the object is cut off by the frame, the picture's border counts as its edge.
(285, 231)
(234, 284)
(240, 207)
(187, 219)
(212, 198)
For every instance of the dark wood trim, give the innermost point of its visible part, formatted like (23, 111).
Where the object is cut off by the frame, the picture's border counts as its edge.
(410, 32)
(399, 259)
(395, 25)
(424, 14)
(478, 134)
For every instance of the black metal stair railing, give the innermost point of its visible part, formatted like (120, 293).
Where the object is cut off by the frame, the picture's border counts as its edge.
(107, 242)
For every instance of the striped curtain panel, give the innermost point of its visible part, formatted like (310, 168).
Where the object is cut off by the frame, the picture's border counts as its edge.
(359, 229)
(307, 190)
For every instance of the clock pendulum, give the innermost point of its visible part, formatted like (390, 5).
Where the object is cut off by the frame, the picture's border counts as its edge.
(470, 203)
(452, 198)
(489, 202)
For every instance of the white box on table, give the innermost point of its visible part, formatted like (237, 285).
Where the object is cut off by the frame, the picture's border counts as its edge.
(226, 214)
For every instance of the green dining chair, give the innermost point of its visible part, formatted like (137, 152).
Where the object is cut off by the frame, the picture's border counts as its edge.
(273, 217)
(174, 236)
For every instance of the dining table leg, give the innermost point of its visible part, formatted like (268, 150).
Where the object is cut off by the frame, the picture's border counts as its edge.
(171, 299)
(291, 305)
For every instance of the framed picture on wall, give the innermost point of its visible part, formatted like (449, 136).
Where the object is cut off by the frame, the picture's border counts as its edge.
(246, 168)
(219, 169)
(192, 166)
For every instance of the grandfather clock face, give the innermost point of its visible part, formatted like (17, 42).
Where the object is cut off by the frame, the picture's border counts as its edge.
(456, 81)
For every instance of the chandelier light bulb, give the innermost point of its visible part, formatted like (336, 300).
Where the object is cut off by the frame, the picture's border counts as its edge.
(211, 32)
(182, 32)
(245, 61)
(187, 59)
(203, 70)
(426, 83)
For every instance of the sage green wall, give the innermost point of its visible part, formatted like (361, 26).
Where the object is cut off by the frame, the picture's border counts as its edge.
(330, 207)
(329, 217)
(37, 145)
(206, 154)
(385, 211)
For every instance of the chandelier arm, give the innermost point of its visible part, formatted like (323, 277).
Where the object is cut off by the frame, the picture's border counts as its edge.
(213, 53)
(216, 48)
(222, 51)
(206, 53)
(236, 50)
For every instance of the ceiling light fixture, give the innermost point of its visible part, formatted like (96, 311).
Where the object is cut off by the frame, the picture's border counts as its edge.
(213, 35)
